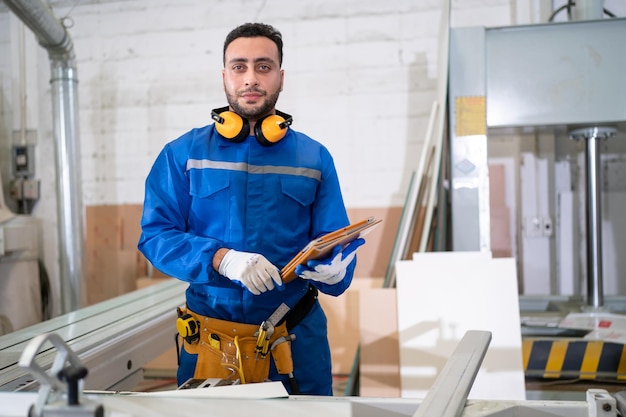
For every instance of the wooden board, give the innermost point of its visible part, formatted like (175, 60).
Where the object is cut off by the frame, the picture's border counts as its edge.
(410, 214)
(380, 352)
(439, 127)
(112, 260)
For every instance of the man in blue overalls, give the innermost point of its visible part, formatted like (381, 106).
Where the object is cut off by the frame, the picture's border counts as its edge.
(229, 204)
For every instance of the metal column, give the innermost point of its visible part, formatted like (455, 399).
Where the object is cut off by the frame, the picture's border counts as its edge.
(593, 208)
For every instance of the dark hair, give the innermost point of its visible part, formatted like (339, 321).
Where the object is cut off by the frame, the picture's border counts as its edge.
(251, 30)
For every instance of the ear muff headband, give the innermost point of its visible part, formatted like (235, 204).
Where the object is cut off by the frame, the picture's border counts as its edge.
(267, 130)
(230, 125)
(272, 128)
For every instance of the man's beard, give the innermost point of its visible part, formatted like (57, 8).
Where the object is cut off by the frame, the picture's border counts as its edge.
(255, 113)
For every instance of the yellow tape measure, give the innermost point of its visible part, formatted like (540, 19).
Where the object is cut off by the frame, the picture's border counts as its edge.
(188, 327)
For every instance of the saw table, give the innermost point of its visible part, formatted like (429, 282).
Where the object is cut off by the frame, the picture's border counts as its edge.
(114, 339)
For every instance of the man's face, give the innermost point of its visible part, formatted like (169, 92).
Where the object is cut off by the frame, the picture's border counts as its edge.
(252, 76)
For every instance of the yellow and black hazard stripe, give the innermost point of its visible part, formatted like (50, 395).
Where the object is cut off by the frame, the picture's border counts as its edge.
(573, 358)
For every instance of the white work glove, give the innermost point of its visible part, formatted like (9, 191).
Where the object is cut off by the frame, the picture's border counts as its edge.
(332, 269)
(253, 270)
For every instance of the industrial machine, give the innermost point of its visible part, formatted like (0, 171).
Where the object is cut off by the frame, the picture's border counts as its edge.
(59, 394)
(20, 288)
(554, 94)
(537, 87)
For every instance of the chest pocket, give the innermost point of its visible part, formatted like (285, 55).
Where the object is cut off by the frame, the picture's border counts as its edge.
(210, 192)
(292, 219)
(302, 191)
(205, 183)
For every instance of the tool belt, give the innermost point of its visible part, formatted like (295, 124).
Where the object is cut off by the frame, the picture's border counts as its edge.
(302, 308)
(225, 347)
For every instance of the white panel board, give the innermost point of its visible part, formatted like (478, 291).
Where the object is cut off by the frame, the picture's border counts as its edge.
(613, 242)
(441, 295)
(567, 246)
(535, 254)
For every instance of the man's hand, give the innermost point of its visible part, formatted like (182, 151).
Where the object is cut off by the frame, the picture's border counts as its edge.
(332, 269)
(252, 270)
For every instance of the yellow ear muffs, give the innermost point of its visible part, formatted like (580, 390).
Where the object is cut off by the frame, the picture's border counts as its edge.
(230, 125)
(267, 130)
(272, 128)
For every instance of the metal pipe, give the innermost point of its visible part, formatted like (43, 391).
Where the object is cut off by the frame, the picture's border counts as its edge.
(69, 184)
(52, 36)
(22, 48)
(593, 221)
(593, 209)
(589, 10)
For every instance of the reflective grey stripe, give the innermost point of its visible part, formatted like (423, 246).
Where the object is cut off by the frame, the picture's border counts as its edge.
(253, 169)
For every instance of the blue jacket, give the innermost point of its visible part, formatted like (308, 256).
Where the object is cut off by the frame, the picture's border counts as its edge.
(205, 192)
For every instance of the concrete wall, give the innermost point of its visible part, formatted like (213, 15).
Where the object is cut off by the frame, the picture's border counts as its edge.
(360, 76)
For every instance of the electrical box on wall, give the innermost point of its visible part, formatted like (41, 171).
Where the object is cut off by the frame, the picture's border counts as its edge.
(23, 161)
(24, 187)
(23, 153)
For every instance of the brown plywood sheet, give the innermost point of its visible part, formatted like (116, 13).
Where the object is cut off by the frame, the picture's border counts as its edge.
(380, 352)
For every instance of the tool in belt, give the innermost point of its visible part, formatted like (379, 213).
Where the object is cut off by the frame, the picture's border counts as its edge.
(266, 330)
